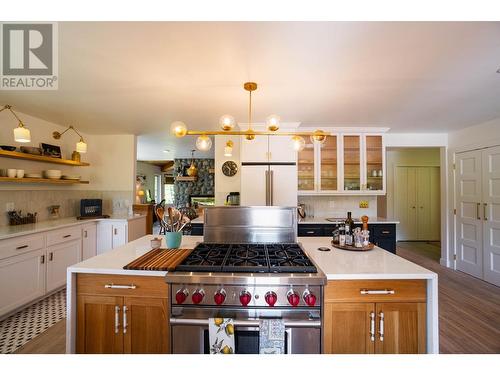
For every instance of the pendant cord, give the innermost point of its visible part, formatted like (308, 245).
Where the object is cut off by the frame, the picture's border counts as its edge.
(250, 112)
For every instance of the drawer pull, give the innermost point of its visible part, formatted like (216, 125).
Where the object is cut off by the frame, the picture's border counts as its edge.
(51, 256)
(22, 247)
(372, 326)
(66, 236)
(386, 232)
(377, 291)
(113, 286)
(310, 232)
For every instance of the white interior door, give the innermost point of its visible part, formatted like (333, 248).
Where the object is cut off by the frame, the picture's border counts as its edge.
(469, 233)
(284, 185)
(405, 203)
(423, 189)
(253, 185)
(491, 214)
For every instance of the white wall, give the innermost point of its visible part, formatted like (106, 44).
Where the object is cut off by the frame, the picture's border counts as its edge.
(476, 136)
(224, 184)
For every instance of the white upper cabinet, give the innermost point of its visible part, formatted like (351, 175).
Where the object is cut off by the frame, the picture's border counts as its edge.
(281, 150)
(256, 150)
(345, 164)
(268, 149)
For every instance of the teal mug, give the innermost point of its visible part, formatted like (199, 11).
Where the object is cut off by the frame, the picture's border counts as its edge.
(173, 239)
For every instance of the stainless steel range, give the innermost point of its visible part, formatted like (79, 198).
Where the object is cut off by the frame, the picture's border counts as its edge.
(249, 267)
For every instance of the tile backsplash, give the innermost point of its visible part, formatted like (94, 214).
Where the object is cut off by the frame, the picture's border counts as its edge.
(114, 202)
(337, 206)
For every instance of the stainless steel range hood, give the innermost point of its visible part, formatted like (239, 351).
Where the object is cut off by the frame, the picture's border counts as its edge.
(256, 224)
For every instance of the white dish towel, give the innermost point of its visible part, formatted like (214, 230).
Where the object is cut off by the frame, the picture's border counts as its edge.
(221, 335)
(271, 336)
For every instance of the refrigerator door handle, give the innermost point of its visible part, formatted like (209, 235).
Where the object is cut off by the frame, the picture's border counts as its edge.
(267, 187)
(271, 189)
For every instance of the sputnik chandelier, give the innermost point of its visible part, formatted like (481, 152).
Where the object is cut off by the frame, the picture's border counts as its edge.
(227, 123)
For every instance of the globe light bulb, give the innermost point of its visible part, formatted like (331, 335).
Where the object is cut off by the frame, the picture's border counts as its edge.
(319, 136)
(203, 143)
(298, 143)
(178, 128)
(227, 122)
(273, 123)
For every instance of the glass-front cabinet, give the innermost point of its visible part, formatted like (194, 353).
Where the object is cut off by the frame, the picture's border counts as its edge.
(349, 163)
(306, 167)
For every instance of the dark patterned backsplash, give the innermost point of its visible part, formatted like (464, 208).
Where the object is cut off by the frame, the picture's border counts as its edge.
(204, 185)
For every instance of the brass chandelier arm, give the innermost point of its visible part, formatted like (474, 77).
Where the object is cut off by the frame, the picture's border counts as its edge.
(13, 113)
(251, 132)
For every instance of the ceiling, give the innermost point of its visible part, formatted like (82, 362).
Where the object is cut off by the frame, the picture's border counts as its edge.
(133, 77)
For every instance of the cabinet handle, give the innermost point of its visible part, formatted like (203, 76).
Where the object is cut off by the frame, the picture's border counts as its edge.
(113, 286)
(477, 211)
(117, 318)
(372, 326)
(310, 232)
(381, 326)
(485, 214)
(115, 231)
(51, 256)
(413, 207)
(66, 236)
(22, 247)
(125, 325)
(377, 291)
(42, 259)
(386, 232)
(85, 233)
(421, 207)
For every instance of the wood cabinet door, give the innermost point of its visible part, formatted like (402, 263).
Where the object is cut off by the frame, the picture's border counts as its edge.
(59, 258)
(145, 325)
(99, 325)
(400, 328)
(349, 328)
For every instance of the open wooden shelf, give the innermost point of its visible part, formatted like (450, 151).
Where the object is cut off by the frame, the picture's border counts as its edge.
(45, 159)
(185, 178)
(41, 181)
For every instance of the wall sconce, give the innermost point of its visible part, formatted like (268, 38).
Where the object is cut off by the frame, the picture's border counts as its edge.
(21, 133)
(228, 150)
(81, 146)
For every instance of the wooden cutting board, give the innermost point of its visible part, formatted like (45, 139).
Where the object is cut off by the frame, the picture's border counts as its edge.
(159, 260)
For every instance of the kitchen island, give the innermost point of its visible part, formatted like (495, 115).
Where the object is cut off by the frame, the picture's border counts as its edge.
(376, 266)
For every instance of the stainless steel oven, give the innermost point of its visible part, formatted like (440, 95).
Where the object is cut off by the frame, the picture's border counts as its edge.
(190, 329)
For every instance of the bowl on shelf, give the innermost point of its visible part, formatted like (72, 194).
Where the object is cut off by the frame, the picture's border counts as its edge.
(8, 148)
(53, 174)
(31, 150)
(33, 175)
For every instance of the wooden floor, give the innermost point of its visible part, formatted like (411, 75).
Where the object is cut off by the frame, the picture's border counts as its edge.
(469, 309)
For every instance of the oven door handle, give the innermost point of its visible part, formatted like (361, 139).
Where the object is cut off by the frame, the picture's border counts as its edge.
(245, 323)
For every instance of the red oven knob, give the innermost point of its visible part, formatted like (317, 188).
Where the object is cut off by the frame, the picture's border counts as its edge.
(309, 298)
(293, 298)
(271, 298)
(245, 297)
(181, 295)
(220, 296)
(198, 296)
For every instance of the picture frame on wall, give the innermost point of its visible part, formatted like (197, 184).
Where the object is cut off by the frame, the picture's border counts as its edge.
(51, 150)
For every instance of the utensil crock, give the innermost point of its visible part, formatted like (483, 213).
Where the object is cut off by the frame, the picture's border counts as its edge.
(173, 239)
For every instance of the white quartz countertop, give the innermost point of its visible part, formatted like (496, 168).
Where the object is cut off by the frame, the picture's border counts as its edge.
(336, 264)
(42, 226)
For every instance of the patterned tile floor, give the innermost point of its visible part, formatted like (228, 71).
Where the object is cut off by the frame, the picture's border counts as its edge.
(16, 330)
